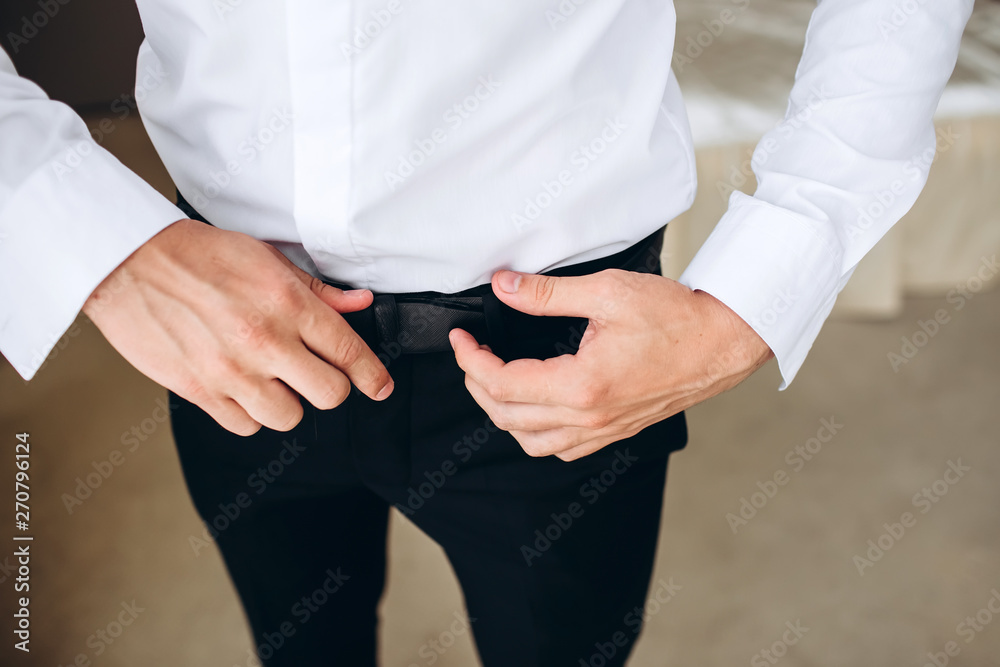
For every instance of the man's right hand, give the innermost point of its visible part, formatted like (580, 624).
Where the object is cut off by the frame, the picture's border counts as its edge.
(230, 324)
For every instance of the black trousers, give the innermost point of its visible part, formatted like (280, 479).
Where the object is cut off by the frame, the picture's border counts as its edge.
(554, 558)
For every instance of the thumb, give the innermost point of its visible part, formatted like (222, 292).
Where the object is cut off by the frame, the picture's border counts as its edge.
(343, 301)
(568, 296)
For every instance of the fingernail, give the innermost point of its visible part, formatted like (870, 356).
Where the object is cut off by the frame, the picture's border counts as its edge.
(509, 281)
(355, 292)
(384, 392)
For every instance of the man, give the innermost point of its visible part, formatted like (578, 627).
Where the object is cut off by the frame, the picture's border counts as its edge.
(456, 208)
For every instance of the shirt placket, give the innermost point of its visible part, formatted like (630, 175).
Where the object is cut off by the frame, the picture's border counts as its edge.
(321, 89)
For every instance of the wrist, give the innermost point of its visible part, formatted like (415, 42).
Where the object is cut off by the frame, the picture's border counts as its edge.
(123, 275)
(738, 346)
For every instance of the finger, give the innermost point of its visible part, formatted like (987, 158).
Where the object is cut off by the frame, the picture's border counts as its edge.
(551, 442)
(585, 449)
(324, 386)
(599, 440)
(523, 416)
(332, 339)
(571, 296)
(231, 416)
(343, 301)
(521, 380)
(269, 402)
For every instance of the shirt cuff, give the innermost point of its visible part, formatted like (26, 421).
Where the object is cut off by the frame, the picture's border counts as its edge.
(780, 271)
(62, 231)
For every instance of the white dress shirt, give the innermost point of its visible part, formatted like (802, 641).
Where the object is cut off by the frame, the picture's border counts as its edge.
(409, 145)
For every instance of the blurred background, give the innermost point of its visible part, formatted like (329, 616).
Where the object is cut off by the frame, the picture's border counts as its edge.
(786, 510)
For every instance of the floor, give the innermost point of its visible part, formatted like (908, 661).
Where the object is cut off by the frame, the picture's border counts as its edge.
(765, 537)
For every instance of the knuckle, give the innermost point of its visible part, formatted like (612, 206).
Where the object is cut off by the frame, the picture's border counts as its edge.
(316, 285)
(290, 420)
(543, 289)
(194, 391)
(348, 350)
(607, 282)
(334, 396)
(501, 419)
(587, 395)
(285, 294)
(596, 420)
(227, 370)
(319, 289)
(534, 447)
(562, 442)
(258, 333)
(546, 444)
(497, 389)
(281, 296)
(611, 289)
(248, 428)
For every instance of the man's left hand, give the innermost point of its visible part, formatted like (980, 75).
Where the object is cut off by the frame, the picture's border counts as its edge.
(652, 348)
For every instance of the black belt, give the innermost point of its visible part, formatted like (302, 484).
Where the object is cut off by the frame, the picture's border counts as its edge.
(419, 322)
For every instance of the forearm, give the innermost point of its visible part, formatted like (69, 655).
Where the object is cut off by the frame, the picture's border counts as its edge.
(848, 161)
(67, 208)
